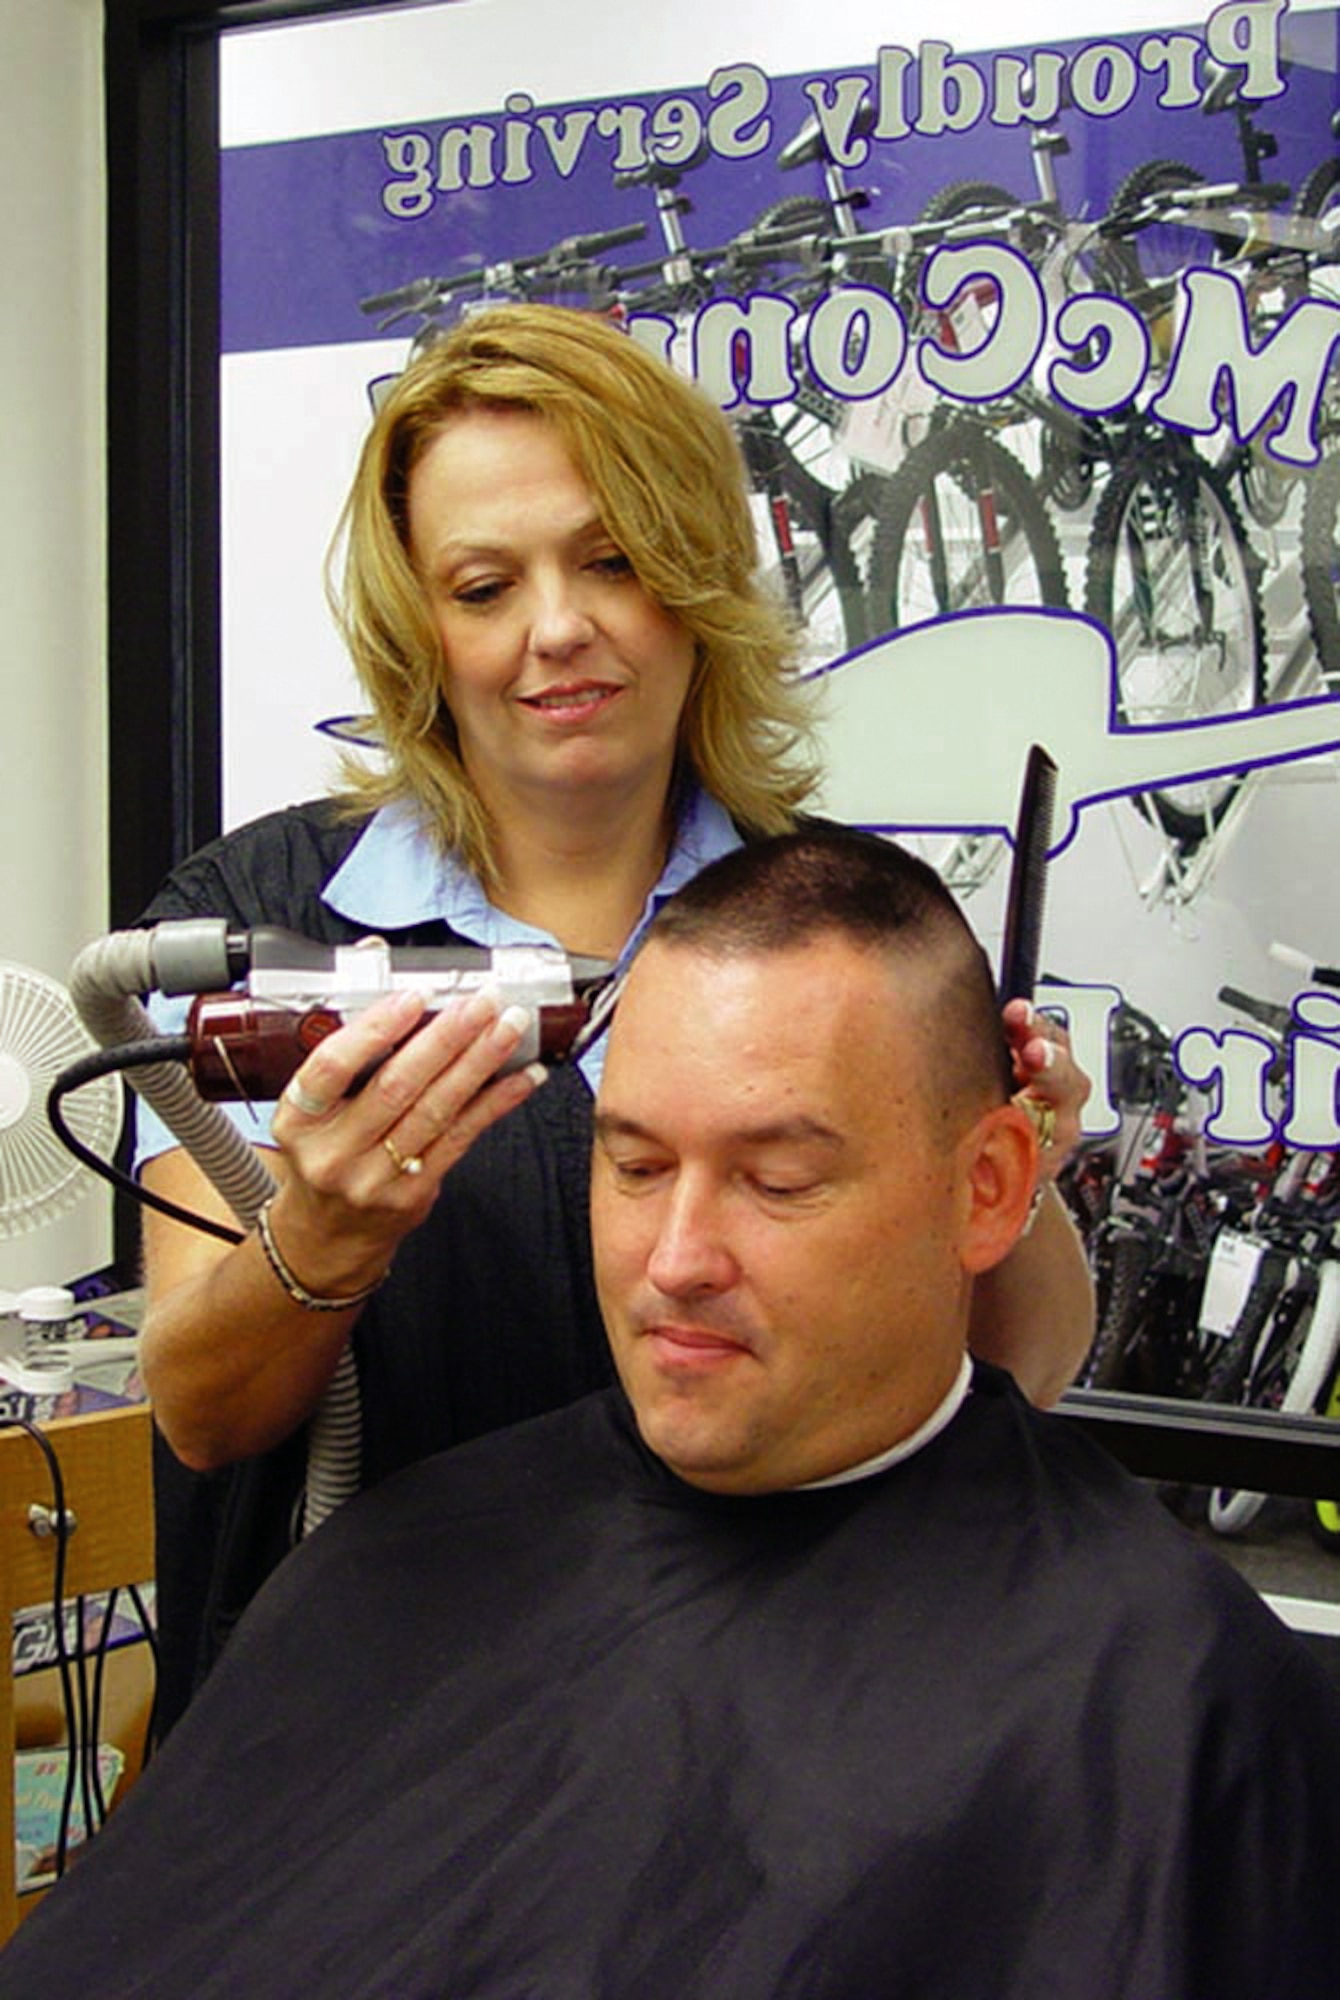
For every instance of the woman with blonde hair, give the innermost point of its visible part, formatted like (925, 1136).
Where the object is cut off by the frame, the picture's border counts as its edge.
(582, 694)
(664, 471)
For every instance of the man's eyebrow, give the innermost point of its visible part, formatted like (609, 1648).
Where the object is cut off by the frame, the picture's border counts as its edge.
(798, 1130)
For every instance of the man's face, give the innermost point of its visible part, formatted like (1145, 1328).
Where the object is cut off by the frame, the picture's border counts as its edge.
(777, 1213)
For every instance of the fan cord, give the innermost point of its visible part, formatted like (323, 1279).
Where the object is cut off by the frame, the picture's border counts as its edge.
(156, 1050)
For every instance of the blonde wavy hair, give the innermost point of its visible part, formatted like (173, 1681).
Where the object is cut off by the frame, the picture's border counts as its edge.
(664, 468)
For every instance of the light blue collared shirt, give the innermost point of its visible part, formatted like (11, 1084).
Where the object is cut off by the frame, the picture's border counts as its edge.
(394, 877)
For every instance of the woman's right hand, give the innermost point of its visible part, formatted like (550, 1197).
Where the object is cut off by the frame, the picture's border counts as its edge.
(365, 1169)
(232, 1363)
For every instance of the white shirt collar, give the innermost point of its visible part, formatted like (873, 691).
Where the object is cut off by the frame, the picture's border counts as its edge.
(922, 1435)
(394, 877)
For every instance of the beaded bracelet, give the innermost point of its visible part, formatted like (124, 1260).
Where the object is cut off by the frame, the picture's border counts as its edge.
(299, 1293)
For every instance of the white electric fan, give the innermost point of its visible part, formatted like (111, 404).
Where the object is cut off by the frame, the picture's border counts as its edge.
(40, 1035)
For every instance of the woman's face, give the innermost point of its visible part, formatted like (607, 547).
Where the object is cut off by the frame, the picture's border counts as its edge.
(561, 674)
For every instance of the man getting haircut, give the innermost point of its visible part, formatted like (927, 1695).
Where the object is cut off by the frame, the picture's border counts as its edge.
(808, 1662)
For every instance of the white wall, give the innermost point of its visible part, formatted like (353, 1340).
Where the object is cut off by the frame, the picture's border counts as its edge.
(53, 859)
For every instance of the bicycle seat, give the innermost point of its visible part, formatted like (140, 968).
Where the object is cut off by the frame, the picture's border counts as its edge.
(808, 143)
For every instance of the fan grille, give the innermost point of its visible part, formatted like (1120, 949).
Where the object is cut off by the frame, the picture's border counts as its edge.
(40, 1035)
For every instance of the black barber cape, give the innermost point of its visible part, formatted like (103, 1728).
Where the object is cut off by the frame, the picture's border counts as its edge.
(533, 1720)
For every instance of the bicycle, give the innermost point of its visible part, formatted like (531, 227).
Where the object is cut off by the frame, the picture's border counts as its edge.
(961, 524)
(1169, 570)
(570, 268)
(1323, 1516)
(1171, 574)
(1320, 556)
(1279, 1332)
(817, 507)
(1149, 1203)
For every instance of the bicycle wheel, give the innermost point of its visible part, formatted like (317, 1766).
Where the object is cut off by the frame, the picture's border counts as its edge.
(815, 512)
(794, 211)
(793, 216)
(1323, 1516)
(806, 527)
(1321, 565)
(1231, 1509)
(957, 202)
(964, 198)
(1293, 1363)
(1067, 468)
(1138, 263)
(1318, 200)
(1173, 577)
(1226, 1380)
(1128, 1259)
(960, 524)
(1318, 195)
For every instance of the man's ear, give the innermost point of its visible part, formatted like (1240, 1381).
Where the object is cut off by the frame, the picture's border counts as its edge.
(999, 1159)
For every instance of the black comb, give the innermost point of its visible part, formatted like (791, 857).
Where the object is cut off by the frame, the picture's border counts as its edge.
(1028, 878)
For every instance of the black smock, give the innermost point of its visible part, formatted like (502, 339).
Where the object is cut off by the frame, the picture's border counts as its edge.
(489, 1315)
(535, 1721)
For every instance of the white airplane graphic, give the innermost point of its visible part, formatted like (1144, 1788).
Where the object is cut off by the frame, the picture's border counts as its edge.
(928, 729)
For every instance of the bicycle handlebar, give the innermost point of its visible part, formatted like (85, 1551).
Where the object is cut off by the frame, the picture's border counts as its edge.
(421, 295)
(575, 249)
(1298, 961)
(1219, 201)
(1269, 1013)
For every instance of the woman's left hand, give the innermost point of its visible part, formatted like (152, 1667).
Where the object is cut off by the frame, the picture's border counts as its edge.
(1053, 1087)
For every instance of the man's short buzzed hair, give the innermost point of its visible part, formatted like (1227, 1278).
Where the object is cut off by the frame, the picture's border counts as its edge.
(781, 894)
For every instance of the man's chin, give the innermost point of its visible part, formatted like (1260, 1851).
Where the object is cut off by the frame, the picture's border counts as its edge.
(703, 1454)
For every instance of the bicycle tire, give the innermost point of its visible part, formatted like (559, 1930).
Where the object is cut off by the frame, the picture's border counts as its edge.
(1230, 1509)
(1320, 547)
(794, 210)
(1007, 553)
(1066, 470)
(1227, 1378)
(1318, 200)
(1160, 503)
(1314, 192)
(959, 198)
(1315, 1350)
(826, 590)
(811, 565)
(823, 579)
(1130, 1257)
(955, 201)
(1132, 265)
(1323, 1516)
(793, 213)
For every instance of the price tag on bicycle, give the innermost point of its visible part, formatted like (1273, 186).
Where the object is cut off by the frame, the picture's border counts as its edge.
(1233, 1267)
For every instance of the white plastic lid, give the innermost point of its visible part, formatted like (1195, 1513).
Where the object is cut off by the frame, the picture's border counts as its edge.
(45, 1302)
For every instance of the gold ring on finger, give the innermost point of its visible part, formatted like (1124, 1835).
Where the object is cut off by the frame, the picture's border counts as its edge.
(405, 1163)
